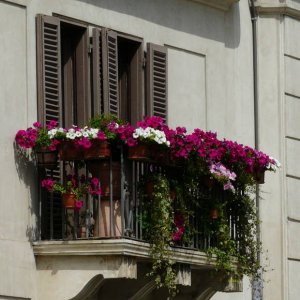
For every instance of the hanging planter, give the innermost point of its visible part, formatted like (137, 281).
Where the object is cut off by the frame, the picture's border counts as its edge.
(69, 200)
(98, 150)
(68, 151)
(46, 158)
(139, 152)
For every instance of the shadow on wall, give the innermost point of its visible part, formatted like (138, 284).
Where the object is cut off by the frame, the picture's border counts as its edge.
(182, 15)
(27, 173)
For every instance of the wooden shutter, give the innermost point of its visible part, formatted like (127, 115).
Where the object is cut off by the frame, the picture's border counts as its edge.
(157, 89)
(105, 72)
(99, 65)
(49, 106)
(48, 69)
(111, 104)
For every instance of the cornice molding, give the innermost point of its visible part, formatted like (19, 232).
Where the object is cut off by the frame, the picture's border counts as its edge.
(289, 8)
(119, 247)
(218, 4)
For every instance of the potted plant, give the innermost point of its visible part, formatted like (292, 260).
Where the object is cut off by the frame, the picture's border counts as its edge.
(149, 133)
(73, 190)
(42, 142)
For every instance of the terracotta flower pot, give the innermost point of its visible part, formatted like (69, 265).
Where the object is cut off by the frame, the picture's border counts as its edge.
(139, 152)
(69, 151)
(149, 189)
(214, 213)
(69, 200)
(98, 150)
(46, 158)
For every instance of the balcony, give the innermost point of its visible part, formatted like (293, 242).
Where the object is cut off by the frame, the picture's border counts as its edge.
(112, 226)
(149, 203)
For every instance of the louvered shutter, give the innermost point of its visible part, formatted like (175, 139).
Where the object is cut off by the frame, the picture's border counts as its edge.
(99, 65)
(157, 89)
(49, 69)
(49, 106)
(111, 103)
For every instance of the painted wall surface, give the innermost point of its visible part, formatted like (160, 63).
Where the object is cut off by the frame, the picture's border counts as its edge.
(210, 86)
(292, 126)
(17, 263)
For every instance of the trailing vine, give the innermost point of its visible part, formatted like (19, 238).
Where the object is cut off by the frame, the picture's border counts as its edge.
(159, 227)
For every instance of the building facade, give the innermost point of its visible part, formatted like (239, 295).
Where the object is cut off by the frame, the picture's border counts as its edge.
(229, 66)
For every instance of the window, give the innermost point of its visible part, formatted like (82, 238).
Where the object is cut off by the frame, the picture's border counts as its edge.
(80, 76)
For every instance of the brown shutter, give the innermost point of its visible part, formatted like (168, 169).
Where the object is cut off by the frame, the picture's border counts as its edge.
(105, 72)
(157, 89)
(111, 104)
(48, 69)
(99, 64)
(49, 106)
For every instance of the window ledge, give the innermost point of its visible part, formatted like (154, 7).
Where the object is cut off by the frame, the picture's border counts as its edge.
(219, 4)
(118, 247)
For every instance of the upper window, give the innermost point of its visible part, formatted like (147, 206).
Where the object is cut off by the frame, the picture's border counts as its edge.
(80, 76)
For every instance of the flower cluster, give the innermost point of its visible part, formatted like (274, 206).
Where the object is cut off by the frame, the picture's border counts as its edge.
(224, 175)
(37, 137)
(218, 156)
(180, 226)
(150, 134)
(74, 185)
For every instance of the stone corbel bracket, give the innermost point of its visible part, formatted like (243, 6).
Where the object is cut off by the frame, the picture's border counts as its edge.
(218, 4)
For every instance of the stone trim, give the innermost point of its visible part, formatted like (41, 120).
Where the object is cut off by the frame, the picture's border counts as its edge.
(218, 4)
(117, 247)
(278, 9)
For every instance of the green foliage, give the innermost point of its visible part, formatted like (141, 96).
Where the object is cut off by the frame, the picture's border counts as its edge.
(43, 139)
(159, 227)
(102, 121)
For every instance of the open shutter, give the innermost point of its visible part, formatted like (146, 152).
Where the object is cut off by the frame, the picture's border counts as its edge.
(157, 89)
(99, 65)
(49, 107)
(48, 69)
(111, 104)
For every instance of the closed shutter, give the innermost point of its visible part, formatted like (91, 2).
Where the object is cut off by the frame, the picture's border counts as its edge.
(157, 89)
(48, 69)
(49, 107)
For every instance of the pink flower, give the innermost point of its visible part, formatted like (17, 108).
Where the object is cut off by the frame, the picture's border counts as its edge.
(78, 204)
(101, 135)
(48, 184)
(52, 124)
(37, 125)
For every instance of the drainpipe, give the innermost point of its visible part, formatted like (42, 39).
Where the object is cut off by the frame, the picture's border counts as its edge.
(257, 290)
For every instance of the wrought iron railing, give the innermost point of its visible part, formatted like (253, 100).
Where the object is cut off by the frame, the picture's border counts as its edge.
(117, 212)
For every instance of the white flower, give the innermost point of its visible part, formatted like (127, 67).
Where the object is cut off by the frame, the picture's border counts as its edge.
(70, 135)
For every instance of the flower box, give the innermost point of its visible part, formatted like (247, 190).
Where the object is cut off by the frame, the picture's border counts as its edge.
(68, 151)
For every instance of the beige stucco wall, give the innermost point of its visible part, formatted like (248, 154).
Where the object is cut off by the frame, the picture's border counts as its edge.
(213, 90)
(16, 258)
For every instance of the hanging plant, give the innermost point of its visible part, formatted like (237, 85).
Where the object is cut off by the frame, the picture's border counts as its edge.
(158, 223)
